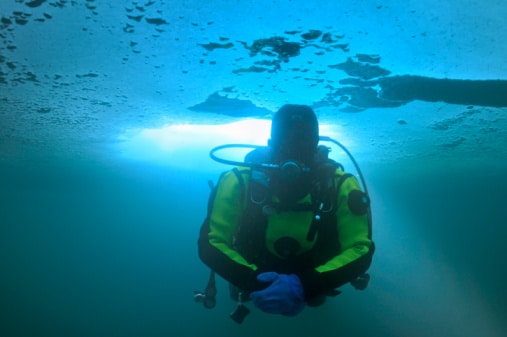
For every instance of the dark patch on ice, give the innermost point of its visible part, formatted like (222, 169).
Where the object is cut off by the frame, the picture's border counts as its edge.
(312, 34)
(361, 70)
(5, 21)
(396, 91)
(327, 38)
(252, 69)
(276, 46)
(156, 21)
(467, 92)
(278, 50)
(213, 45)
(137, 18)
(224, 105)
(59, 4)
(21, 21)
(35, 3)
(87, 75)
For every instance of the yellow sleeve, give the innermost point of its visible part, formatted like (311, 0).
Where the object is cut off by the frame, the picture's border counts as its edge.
(353, 231)
(227, 209)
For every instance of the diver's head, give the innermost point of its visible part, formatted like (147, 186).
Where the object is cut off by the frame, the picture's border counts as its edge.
(294, 134)
(293, 145)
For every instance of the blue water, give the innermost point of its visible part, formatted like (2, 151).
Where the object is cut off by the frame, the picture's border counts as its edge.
(93, 244)
(91, 248)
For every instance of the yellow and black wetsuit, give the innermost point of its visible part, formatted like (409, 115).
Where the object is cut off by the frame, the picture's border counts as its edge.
(339, 251)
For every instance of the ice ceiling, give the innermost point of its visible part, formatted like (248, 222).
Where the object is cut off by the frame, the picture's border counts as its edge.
(403, 79)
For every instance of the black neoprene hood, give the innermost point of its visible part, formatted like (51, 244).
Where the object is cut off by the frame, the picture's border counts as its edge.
(296, 125)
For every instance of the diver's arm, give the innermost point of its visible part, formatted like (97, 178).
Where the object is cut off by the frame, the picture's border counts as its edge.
(356, 248)
(216, 236)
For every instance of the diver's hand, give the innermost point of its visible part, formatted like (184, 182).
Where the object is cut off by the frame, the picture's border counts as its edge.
(285, 294)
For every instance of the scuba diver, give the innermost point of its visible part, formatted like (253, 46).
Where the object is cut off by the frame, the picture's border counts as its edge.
(287, 226)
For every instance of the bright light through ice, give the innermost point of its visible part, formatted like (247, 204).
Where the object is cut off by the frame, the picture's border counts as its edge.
(188, 145)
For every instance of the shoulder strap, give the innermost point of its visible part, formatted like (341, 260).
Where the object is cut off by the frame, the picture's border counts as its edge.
(324, 196)
(241, 183)
(253, 223)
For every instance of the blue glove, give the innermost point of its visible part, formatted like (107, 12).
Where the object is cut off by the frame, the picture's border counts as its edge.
(283, 296)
